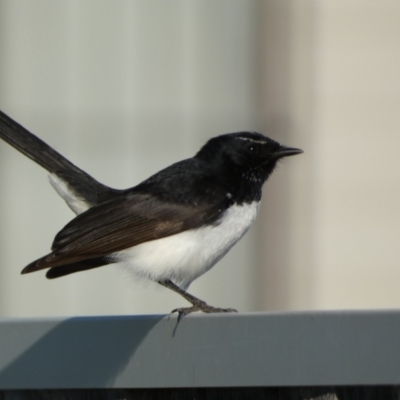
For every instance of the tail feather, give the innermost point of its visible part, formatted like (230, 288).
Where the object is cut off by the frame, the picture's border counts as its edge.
(37, 150)
(75, 186)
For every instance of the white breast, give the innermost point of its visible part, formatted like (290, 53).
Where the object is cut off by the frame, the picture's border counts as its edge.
(187, 255)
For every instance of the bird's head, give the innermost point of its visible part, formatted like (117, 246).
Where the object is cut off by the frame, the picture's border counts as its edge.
(250, 154)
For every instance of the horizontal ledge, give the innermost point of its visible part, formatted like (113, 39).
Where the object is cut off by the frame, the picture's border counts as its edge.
(233, 350)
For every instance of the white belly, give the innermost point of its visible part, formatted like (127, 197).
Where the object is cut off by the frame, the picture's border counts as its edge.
(187, 255)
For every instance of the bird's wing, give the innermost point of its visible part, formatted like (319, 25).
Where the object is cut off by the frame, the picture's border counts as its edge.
(79, 266)
(122, 223)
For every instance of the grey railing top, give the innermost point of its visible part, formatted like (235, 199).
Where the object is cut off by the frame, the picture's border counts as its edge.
(238, 350)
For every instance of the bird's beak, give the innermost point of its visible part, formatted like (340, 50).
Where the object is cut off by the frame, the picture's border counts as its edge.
(287, 151)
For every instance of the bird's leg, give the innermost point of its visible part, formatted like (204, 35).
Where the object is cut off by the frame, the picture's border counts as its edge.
(197, 304)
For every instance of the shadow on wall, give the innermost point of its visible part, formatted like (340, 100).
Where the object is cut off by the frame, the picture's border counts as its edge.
(70, 353)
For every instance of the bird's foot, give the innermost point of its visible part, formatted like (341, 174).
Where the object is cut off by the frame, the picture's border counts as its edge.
(200, 306)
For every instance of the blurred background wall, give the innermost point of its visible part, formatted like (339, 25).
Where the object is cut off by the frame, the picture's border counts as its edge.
(126, 88)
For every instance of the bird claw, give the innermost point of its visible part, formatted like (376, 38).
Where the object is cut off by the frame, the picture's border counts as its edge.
(203, 307)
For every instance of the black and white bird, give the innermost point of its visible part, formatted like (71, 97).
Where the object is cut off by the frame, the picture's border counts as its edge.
(171, 228)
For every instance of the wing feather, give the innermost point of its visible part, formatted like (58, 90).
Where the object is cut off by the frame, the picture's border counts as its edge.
(122, 223)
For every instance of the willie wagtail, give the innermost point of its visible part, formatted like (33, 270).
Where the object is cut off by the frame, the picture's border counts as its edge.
(172, 227)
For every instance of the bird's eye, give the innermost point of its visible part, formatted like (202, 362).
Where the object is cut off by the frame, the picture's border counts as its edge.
(252, 148)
